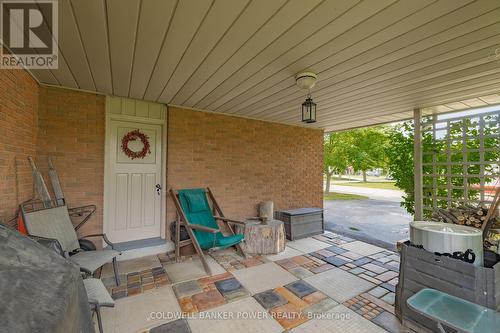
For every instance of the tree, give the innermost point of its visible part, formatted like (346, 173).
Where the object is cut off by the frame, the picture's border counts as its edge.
(336, 155)
(363, 149)
(367, 150)
(399, 152)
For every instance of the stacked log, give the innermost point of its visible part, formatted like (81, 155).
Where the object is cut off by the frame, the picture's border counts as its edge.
(463, 215)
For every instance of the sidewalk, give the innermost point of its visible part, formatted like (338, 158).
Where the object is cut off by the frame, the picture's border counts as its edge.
(372, 193)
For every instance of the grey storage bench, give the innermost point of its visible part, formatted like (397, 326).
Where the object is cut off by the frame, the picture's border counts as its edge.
(301, 222)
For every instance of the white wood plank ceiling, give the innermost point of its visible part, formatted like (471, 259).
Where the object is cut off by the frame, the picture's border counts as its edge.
(376, 60)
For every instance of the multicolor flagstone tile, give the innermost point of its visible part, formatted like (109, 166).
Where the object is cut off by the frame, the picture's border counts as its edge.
(389, 298)
(231, 260)
(306, 245)
(389, 286)
(270, 299)
(363, 307)
(288, 315)
(372, 308)
(300, 288)
(394, 264)
(207, 300)
(378, 292)
(176, 326)
(293, 304)
(138, 282)
(362, 261)
(389, 275)
(166, 258)
(304, 265)
(333, 238)
(209, 292)
(374, 268)
(369, 278)
(339, 284)
(377, 268)
(380, 301)
(362, 248)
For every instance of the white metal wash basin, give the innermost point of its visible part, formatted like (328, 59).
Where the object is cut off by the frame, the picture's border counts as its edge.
(447, 238)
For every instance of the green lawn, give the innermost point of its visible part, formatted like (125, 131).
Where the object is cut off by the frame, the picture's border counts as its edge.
(380, 185)
(343, 196)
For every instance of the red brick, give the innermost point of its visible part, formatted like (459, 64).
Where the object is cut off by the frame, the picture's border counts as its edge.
(244, 161)
(18, 134)
(72, 131)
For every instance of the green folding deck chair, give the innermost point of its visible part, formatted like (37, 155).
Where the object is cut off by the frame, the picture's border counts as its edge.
(200, 221)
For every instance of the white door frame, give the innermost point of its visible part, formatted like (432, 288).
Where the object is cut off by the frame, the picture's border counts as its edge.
(107, 169)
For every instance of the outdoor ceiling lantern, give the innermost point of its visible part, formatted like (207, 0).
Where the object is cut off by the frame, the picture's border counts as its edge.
(307, 80)
(309, 111)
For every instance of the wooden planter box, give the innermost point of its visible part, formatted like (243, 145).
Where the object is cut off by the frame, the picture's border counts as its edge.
(301, 222)
(422, 269)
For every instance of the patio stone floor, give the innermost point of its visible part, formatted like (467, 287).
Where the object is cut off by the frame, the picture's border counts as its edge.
(208, 292)
(340, 319)
(232, 261)
(362, 248)
(324, 283)
(295, 303)
(191, 269)
(237, 323)
(133, 314)
(263, 277)
(289, 252)
(339, 285)
(363, 307)
(334, 239)
(304, 265)
(137, 282)
(307, 245)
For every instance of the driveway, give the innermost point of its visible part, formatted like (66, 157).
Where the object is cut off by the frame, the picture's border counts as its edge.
(378, 220)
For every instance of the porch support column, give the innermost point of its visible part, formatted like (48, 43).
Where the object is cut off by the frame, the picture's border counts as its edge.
(417, 163)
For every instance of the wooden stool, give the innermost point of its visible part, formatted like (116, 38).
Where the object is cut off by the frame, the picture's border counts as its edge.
(263, 238)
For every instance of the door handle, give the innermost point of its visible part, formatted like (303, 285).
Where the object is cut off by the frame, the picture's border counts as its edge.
(158, 189)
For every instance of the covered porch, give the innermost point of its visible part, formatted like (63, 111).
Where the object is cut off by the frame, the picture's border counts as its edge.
(211, 87)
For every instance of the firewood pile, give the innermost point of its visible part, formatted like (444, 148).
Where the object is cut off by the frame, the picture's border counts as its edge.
(485, 218)
(464, 215)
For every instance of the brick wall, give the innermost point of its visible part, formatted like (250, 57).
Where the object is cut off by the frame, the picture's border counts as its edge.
(244, 161)
(18, 132)
(71, 131)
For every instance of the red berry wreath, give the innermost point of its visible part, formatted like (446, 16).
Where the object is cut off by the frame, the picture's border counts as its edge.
(132, 136)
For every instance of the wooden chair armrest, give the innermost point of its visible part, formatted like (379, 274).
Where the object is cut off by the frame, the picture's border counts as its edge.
(202, 228)
(225, 219)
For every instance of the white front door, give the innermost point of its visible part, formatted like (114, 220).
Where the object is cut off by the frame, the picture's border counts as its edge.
(134, 205)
